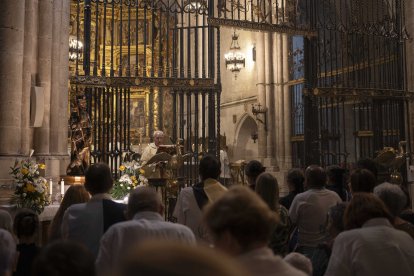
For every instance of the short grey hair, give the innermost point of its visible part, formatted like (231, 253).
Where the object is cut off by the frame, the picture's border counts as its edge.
(143, 199)
(392, 196)
(158, 133)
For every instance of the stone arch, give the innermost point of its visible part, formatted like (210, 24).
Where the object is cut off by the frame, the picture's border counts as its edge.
(243, 145)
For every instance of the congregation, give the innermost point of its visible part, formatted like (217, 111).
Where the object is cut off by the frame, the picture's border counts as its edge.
(329, 224)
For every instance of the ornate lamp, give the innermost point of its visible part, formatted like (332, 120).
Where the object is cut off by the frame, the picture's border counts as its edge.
(235, 60)
(75, 48)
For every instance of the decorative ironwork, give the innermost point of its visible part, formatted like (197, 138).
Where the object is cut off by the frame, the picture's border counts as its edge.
(261, 27)
(161, 49)
(258, 110)
(142, 82)
(352, 100)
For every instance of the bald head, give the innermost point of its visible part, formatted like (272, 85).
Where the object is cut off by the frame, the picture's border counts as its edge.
(315, 177)
(144, 199)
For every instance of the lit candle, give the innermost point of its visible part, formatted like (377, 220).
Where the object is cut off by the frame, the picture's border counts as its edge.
(50, 187)
(62, 187)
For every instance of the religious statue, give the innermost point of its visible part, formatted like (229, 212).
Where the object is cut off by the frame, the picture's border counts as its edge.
(80, 130)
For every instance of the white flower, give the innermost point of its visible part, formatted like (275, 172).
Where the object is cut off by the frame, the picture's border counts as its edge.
(24, 194)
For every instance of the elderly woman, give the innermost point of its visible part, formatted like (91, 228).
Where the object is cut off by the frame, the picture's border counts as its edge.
(395, 200)
(371, 246)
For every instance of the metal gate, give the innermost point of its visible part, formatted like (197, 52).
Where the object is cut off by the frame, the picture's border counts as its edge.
(352, 100)
(164, 50)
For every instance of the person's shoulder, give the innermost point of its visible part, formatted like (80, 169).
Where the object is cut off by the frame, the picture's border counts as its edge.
(76, 207)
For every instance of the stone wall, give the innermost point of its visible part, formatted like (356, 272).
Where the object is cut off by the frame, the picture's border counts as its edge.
(34, 36)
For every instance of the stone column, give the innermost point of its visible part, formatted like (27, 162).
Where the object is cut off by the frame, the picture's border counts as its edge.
(29, 71)
(286, 104)
(62, 147)
(12, 14)
(41, 135)
(278, 112)
(270, 97)
(55, 92)
(261, 91)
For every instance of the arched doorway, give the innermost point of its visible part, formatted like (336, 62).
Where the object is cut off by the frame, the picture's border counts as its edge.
(245, 148)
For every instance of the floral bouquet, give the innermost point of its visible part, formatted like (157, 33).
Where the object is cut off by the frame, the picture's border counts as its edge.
(31, 188)
(132, 175)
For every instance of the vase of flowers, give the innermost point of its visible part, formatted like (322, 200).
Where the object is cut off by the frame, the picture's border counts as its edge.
(30, 187)
(131, 176)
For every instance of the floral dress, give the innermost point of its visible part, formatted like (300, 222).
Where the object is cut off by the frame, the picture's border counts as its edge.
(280, 236)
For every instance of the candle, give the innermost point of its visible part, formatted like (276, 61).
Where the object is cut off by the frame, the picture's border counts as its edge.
(62, 187)
(50, 187)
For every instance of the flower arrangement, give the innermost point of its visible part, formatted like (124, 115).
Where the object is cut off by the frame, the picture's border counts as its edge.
(132, 175)
(31, 188)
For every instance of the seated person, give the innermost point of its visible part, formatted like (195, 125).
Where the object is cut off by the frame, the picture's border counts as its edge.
(87, 222)
(191, 200)
(145, 210)
(8, 253)
(64, 258)
(371, 246)
(26, 227)
(394, 198)
(240, 224)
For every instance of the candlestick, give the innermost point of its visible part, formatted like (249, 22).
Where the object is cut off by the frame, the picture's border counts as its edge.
(50, 186)
(62, 187)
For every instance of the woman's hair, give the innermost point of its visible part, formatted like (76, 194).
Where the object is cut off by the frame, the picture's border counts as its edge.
(392, 196)
(362, 180)
(74, 195)
(268, 189)
(363, 207)
(26, 223)
(167, 258)
(242, 214)
(296, 178)
(64, 258)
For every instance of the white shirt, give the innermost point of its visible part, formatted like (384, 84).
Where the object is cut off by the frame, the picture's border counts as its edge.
(262, 262)
(148, 152)
(309, 212)
(188, 213)
(144, 226)
(376, 249)
(85, 222)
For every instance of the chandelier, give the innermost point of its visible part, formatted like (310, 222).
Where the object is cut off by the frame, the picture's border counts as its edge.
(235, 60)
(75, 48)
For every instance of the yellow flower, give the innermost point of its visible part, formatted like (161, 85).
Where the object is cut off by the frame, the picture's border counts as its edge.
(42, 166)
(30, 188)
(133, 178)
(24, 171)
(141, 171)
(122, 168)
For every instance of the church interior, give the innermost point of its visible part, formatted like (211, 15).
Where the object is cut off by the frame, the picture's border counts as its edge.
(290, 83)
